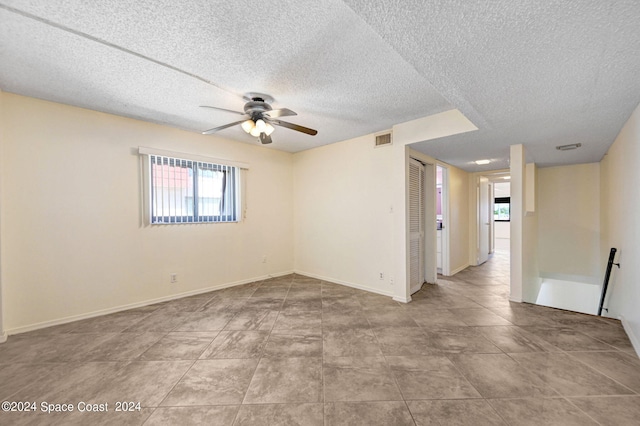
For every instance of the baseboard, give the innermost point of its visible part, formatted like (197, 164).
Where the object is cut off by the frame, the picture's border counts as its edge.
(402, 299)
(460, 269)
(140, 304)
(346, 283)
(3, 337)
(635, 340)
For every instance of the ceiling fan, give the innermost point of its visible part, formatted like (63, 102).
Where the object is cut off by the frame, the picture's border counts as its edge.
(259, 118)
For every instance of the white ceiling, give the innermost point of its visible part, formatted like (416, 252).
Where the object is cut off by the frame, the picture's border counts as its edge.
(537, 73)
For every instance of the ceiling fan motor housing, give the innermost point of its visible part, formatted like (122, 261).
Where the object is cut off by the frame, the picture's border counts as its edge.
(256, 107)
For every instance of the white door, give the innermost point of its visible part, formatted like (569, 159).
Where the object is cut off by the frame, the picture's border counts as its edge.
(416, 224)
(483, 220)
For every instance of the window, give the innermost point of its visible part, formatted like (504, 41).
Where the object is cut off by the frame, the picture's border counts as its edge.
(189, 191)
(501, 209)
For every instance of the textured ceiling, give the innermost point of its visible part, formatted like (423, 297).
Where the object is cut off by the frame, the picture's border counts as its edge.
(538, 73)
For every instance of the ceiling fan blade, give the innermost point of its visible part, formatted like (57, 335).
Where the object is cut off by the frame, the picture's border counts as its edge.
(222, 109)
(282, 112)
(216, 129)
(296, 127)
(265, 139)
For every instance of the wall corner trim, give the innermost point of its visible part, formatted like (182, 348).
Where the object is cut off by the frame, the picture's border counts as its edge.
(3, 337)
(635, 340)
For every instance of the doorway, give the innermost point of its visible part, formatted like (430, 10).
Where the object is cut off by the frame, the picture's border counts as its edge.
(442, 220)
(484, 224)
(422, 224)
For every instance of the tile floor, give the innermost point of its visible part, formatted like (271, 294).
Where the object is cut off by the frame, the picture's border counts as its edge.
(299, 351)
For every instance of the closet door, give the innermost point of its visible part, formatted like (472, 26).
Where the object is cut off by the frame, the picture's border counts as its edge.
(416, 224)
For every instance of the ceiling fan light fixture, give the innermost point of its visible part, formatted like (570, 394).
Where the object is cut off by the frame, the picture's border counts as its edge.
(268, 129)
(255, 132)
(261, 125)
(248, 125)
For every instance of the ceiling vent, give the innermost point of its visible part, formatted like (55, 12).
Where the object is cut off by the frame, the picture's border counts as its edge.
(383, 139)
(569, 147)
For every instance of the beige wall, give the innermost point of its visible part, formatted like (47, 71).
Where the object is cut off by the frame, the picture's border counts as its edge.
(620, 218)
(569, 222)
(459, 217)
(72, 242)
(343, 213)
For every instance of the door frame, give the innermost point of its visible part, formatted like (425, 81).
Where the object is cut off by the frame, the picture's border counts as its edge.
(429, 226)
(446, 222)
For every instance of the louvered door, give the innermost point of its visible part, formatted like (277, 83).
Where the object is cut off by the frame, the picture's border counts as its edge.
(416, 224)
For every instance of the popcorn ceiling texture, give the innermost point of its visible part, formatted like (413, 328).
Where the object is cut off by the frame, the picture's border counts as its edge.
(538, 73)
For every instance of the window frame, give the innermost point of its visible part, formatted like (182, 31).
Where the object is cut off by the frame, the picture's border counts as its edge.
(501, 200)
(233, 180)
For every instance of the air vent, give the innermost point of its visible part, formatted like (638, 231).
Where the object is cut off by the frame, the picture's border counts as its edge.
(383, 139)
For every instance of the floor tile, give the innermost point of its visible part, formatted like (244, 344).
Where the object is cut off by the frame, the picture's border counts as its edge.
(619, 366)
(205, 321)
(405, 341)
(436, 317)
(237, 344)
(344, 320)
(499, 376)
(430, 377)
(537, 411)
(469, 412)
(355, 341)
(69, 382)
(567, 339)
(383, 413)
(611, 410)
(146, 382)
(294, 343)
(213, 382)
(210, 415)
(256, 319)
(288, 320)
(123, 346)
(460, 340)
(281, 414)
(359, 379)
(159, 321)
(568, 376)
(390, 317)
(515, 339)
(479, 316)
(179, 345)
(14, 377)
(281, 380)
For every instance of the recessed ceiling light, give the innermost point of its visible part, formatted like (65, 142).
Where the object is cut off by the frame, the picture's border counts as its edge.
(481, 162)
(569, 147)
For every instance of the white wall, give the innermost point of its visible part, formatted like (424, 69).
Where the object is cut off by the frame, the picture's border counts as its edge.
(524, 273)
(502, 230)
(569, 222)
(3, 334)
(343, 214)
(620, 215)
(72, 240)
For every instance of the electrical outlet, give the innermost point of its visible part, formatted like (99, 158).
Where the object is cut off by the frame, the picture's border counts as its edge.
(174, 278)
(382, 275)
